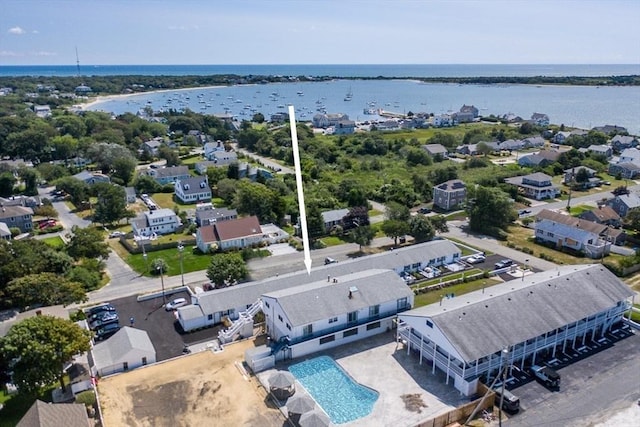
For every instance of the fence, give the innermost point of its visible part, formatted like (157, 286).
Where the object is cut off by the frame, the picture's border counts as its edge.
(460, 414)
(137, 249)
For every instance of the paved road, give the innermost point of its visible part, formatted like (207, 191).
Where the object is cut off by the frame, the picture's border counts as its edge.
(265, 161)
(65, 216)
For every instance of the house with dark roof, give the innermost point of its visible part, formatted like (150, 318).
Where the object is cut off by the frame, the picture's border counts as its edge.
(232, 234)
(436, 150)
(323, 314)
(449, 195)
(209, 307)
(42, 414)
(193, 190)
(550, 313)
(540, 119)
(609, 129)
(602, 215)
(152, 146)
(207, 214)
(344, 127)
(536, 185)
(592, 180)
(623, 203)
(127, 349)
(17, 216)
(622, 142)
(169, 174)
(333, 218)
(91, 178)
(605, 150)
(542, 158)
(580, 235)
(627, 165)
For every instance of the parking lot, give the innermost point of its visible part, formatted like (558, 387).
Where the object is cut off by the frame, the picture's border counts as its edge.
(163, 328)
(597, 380)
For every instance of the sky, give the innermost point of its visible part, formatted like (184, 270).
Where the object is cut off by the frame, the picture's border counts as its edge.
(123, 32)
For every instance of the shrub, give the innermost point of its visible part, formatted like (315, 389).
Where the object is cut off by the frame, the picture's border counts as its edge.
(88, 398)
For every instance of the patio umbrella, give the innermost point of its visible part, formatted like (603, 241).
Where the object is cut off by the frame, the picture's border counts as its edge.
(299, 404)
(314, 419)
(281, 385)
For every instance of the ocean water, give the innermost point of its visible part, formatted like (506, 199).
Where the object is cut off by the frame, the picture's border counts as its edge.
(576, 106)
(336, 70)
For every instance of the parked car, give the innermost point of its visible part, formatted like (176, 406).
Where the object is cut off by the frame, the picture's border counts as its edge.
(503, 263)
(524, 212)
(547, 376)
(329, 260)
(106, 331)
(476, 259)
(116, 234)
(103, 319)
(510, 402)
(99, 309)
(173, 304)
(424, 210)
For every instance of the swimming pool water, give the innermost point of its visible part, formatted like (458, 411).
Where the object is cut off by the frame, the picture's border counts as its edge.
(341, 398)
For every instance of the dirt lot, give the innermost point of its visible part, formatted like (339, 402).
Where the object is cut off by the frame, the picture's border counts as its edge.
(199, 389)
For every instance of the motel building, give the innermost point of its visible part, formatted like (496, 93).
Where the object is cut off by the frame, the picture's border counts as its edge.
(534, 320)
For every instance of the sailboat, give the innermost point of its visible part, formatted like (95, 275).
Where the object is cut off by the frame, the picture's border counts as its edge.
(349, 95)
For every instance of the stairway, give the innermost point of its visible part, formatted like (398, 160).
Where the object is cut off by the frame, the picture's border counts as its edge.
(226, 336)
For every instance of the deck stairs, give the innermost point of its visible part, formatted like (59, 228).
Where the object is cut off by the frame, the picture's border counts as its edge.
(226, 336)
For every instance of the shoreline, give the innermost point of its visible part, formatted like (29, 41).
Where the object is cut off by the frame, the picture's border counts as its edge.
(105, 98)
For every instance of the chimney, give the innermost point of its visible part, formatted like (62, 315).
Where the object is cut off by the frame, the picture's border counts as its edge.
(350, 294)
(328, 278)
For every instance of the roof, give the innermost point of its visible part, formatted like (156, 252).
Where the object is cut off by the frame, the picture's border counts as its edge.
(604, 213)
(478, 324)
(116, 348)
(216, 213)
(435, 148)
(631, 200)
(571, 221)
(235, 228)
(43, 414)
(194, 185)
(452, 185)
(4, 229)
(551, 155)
(323, 300)
(335, 215)
(207, 233)
(53, 310)
(163, 212)
(171, 171)
(246, 293)
(13, 211)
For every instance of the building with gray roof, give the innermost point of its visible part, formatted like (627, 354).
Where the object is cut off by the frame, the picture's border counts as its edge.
(128, 349)
(42, 414)
(545, 313)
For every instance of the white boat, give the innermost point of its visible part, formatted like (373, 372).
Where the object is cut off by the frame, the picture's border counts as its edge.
(349, 95)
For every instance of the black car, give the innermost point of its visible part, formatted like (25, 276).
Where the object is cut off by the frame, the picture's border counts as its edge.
(99, 309)
(106, 331)
(103, 319)
(424, 210)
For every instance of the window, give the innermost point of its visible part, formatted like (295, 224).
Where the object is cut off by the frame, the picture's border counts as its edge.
(374, 325)
(266, 304)
(280, 318)
(144, 361)
(402, 303)
(327, 339)
(307, 329)
(288, 326)
(125, 366)
(350, 332)
(352, 317)
(209, 316)
(430, 323)
(333, 320)
(374, 310)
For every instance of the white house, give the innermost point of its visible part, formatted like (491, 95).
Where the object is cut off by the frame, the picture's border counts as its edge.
(193, 190)
(128, 349)
(548, 312)
(159, 221)
(536, 185)
(212, 147)
(627, 165)
(323, 314)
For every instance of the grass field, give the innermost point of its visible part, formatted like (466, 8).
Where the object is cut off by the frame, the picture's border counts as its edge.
(460, 289)
(190, 260)
(55, 241)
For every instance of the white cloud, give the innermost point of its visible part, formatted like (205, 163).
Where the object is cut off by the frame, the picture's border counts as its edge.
(183, 27)
(44, 53)
(35, 32)
(16, 30)
(9, 53)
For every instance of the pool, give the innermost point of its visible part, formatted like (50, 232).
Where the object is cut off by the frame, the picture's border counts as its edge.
(342, 398)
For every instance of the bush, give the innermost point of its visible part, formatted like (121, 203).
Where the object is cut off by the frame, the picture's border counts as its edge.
(88, 398)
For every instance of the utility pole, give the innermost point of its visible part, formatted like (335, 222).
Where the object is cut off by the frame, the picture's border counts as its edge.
(181, 249)
(505, 360)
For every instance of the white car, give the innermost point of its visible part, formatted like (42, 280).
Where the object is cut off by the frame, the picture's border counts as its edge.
(174, 304)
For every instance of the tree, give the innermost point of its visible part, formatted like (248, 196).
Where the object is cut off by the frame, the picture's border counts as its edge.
(490, 210)
(226, 269)
(483, 148)
(159, 266)
(393, 228)
(582, 176)
(362, 236)
(40, 346)
(30, 178)
(45, 289)
(397, 212)
(87, 243)
(633, 218)
(439, 223)
(123, 168)
(7, 181)
(112, 204)
(146, 185)
(77, 190)
(169, 155)
(420, 228)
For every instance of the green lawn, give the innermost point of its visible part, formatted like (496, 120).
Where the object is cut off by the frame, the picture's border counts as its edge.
(55, 241)
(460, 289)
(190, 260)
(577, 210)
(332, 241)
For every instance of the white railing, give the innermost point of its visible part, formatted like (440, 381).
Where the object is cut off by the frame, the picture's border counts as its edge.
(227, 335)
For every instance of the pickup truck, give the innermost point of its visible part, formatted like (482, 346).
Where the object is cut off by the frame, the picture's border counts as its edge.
(546, 376)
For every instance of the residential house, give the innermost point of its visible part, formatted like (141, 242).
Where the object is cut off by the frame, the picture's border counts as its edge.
(533, 142)
(561, 137)
(623, 203)
(91, 178)
(327, 120)
(621, 142)
(470, 109)
(540, 119)
(159, 221)
(592, 181)
(17, 216)
(328, 313)
(213, 147)
(344, 127)
(152, 146)
(42, 111)
(42, 414)
(130, 194)
(436, 150)
(200, 137)
(566, 231)
(609, 129)
(169, 174)
(202, 167)
(605, 150)
(512, 118)
(236, 233)
(5, 233)
(210, 307)
(193, 190)
(449, 195)
(279, 117)
(127, 349)
(536, 185)
(467, 149)
(511, 145)
(462, 117)
(333, 218)
(627, 165)
(245, 170)
(541, 318)
(541, 159)
(442, 120)
(21, 200)
(603, 215)
(207, 214)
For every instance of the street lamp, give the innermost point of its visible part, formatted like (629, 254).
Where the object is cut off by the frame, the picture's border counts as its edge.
(181, 249)
(144, 255)
(160, 267)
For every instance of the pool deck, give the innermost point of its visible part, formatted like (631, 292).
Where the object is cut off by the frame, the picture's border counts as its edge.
(383, 365)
